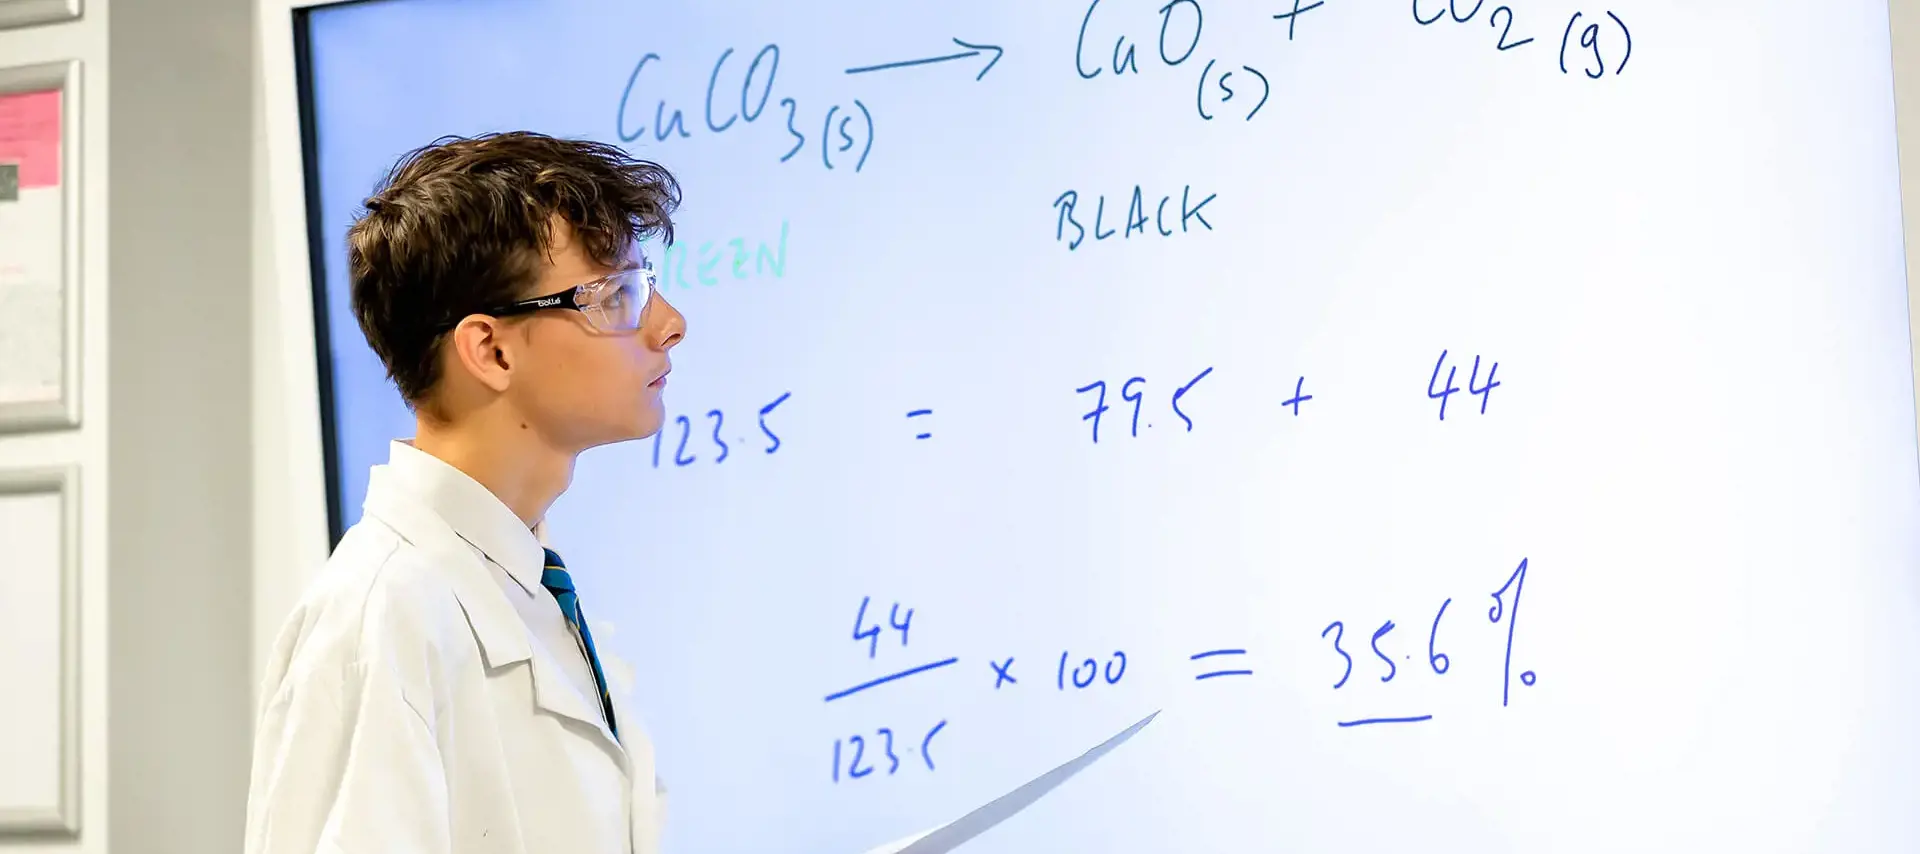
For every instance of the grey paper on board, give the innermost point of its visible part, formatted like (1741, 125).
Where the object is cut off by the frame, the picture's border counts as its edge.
(949, 836)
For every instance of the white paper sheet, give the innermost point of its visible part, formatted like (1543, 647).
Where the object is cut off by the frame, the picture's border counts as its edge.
(30, 631)
(953, 834)
(32, 244)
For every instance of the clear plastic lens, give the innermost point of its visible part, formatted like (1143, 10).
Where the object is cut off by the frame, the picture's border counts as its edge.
(619, 303)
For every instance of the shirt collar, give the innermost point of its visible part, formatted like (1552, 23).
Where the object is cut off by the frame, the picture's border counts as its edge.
(470, 509)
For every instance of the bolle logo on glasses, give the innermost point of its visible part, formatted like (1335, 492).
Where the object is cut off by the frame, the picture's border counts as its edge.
(547, 302)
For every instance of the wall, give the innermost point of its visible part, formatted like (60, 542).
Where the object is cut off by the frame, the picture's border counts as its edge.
(166, 473)
(85, 448)
(179, 205)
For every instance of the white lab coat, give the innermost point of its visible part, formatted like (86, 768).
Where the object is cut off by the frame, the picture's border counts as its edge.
(408, 707)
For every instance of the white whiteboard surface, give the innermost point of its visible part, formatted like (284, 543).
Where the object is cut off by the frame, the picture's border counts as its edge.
(1686, 263)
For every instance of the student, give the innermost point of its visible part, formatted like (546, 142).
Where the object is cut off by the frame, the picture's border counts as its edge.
(437, 689)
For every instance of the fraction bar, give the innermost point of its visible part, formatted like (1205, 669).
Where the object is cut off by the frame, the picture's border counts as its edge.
(889, 678)
(1368, 721)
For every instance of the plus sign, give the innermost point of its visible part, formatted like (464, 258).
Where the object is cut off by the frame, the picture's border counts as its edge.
(1298, 398)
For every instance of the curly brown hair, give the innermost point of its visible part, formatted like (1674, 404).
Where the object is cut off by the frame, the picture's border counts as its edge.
(459, 225)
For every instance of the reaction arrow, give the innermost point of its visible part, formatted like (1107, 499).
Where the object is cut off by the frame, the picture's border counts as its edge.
(972, 50)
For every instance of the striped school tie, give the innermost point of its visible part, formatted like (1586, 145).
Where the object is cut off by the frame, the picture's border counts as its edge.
(556, 580)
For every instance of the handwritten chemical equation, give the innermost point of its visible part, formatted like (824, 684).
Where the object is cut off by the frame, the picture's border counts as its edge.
(736, 99)
(1595, 55)
(842, 135)
(1602, 48)
(1353, 654)
(839, 131)
(1114, 409)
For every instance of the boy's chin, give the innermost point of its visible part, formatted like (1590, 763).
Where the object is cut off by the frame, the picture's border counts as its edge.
(645, 426)
(649, 424)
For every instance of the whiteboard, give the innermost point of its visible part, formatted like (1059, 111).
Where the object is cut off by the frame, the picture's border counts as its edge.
(1511, 403)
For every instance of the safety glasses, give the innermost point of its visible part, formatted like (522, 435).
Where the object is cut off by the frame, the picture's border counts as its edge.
(614, 303)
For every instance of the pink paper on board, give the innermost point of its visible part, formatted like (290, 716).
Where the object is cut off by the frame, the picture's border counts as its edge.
(30, 136)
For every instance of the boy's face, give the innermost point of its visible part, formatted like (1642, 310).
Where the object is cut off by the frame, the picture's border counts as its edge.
(582, 386)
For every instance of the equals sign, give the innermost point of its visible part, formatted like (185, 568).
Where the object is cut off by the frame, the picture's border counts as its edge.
(918, 413)
(1214, 654)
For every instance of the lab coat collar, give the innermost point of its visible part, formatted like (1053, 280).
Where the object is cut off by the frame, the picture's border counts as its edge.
(473, 511)
(395, 501)
(420, 497)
